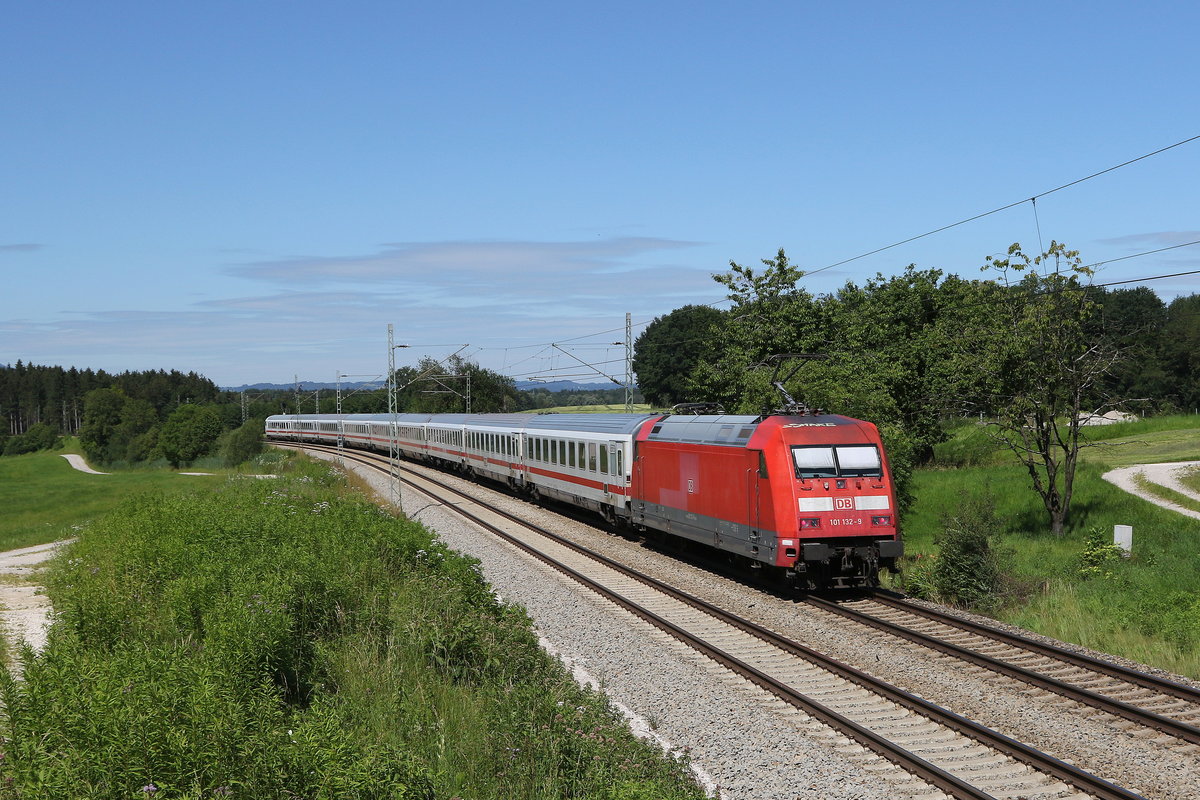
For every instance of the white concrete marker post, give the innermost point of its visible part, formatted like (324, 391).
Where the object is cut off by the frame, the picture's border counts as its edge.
(1123, 538)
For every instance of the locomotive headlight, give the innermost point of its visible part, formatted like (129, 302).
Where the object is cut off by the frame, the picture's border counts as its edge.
(884, 520)
(813, 522)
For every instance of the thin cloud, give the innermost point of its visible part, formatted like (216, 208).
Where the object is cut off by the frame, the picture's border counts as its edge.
(334, 317)
(27, 247)
(1153, 239)
(459, 262)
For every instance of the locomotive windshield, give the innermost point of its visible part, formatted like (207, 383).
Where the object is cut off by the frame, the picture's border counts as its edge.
(846, 461)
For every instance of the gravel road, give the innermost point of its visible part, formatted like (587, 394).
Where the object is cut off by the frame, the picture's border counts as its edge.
(1164, 475)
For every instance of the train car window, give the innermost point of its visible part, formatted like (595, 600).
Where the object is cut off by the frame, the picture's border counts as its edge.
(582, 457)
(860, 461)
(592, 456)
(744, 433)
(620, 463)
(571, 454)
(603, 459)
(762, 465)
(814, 462)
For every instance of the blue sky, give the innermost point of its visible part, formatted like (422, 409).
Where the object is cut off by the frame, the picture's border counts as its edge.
(255, 190)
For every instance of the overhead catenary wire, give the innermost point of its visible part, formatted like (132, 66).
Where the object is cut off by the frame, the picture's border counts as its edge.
(1032, 200)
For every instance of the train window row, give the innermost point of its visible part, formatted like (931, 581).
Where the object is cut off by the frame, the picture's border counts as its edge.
(445, 437)
(590, 456)
(498, 443)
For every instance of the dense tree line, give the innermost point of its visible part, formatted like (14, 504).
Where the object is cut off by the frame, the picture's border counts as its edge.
(126, 417)
(1023, 343)
(32, 394)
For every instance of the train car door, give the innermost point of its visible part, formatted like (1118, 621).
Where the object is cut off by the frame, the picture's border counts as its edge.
(638, 489)
(522, 455)
(756, 473)
(610, 467)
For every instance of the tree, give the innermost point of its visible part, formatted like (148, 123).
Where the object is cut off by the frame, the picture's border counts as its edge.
(188, 433)
(101, 415)
(770, 315)
(1181, 351)
(1045, 364)
(670, 348)
(1134, 321)
(242, 443)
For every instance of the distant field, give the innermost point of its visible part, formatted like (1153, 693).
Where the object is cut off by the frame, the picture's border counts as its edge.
(615, 408)
(1150, 441)
(44, 498)
(1153, 447)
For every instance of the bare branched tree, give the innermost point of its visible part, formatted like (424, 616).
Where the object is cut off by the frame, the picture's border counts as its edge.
(1048, 371)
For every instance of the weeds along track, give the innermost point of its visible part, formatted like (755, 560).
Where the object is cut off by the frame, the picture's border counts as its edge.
(1140, 698)
(961, 758)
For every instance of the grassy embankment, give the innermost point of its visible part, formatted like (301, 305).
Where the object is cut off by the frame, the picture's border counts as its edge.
(46, 499)
(1146, 607)
(279, 639)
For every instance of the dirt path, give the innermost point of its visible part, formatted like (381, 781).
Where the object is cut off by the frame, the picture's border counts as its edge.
(24, 609)
(1162, 474)
(78, 463)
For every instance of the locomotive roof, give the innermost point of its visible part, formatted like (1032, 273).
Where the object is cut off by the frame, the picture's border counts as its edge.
(733, 430)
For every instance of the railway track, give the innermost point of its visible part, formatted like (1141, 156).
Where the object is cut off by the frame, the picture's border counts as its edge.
(958, 756)
(1138, 697)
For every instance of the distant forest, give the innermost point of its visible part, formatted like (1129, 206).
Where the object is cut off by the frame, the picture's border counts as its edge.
(157, 414)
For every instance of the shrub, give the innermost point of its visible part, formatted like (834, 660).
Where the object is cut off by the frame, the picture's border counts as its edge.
(967, 570)
(242, 444)
(1099, 555)
(42, 436)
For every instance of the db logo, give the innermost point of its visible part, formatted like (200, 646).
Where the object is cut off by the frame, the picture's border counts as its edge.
(843, 503)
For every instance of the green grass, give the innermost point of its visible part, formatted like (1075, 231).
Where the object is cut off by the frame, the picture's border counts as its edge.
(1148, 441)
(46, 499)
(1148, 447)
(278, 639)
(1146, 607)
